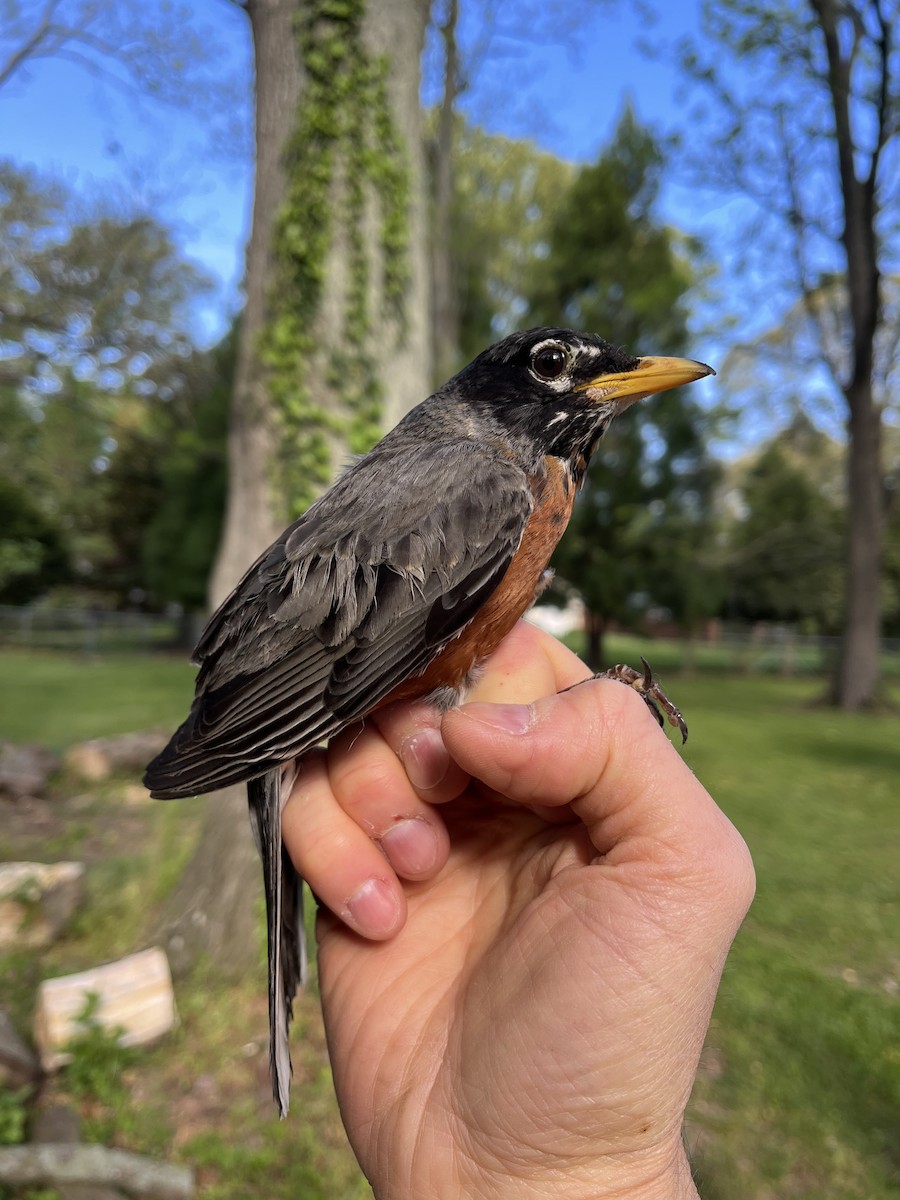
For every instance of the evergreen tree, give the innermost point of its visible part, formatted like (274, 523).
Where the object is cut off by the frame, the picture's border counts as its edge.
(642, 532)
(786, 548)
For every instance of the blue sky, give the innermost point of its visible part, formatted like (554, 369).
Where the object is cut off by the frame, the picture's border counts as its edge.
(57, 118)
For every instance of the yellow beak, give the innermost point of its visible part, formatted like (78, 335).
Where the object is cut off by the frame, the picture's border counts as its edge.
(651, 375)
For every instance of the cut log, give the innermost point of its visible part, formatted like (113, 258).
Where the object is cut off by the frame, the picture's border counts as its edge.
(94, 1166)
(37, 901)
(24, 770)
(135, 996)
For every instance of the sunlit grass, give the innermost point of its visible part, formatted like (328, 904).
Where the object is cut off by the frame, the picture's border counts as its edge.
(804, 1096)
(56, 699)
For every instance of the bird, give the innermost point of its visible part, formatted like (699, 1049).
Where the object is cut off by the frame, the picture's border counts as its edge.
(396, 584)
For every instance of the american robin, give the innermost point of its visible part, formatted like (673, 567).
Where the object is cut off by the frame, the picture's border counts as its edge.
(394, 585)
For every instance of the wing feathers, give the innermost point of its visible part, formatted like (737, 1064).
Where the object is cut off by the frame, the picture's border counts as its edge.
(356, 597)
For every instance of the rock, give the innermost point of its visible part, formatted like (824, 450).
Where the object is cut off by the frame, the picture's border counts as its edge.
(94, 1168)
(37, 901)
(60, 1126)
(96, 760)
(18, 1062)
(24, 770)
(135, 995)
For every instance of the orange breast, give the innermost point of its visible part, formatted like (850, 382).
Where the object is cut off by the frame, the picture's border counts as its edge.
(554, 497)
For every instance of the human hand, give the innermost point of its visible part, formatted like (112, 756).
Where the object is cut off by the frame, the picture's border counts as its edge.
(532, 1024)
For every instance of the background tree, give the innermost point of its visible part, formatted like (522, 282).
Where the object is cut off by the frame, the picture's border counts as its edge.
(147, 54)
(180, 541)
(337, 305)
(785, 549)
(92, 303)
(33, 556)
(506, 193)
(471, 56)
(808, 138)
(96, 290)
(641, 534)
(336, 278)
(163, 494)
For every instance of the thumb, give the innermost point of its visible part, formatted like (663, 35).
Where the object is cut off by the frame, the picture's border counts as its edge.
(597, 749)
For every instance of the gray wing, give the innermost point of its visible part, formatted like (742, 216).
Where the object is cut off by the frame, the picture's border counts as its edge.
(357, 596)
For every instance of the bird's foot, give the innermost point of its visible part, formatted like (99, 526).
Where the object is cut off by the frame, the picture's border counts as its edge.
(651, 693)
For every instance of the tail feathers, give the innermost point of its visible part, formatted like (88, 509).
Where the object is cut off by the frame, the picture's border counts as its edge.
(284, 916)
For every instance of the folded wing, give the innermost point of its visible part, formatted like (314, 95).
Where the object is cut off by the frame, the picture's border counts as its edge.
(357, 596)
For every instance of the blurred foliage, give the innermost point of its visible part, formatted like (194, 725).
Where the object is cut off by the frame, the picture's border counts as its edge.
(109, 413)
(13, 1115)
(786, 548)
(506, 192)
(611, 265)
(98, 1057)
(179, 543)
(33, 557)
(642, 534)
(93, 294)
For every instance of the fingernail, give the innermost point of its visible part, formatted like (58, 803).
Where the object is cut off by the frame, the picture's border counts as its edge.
(511, 718)
(373, 908)
(411, 846)
(425, 758)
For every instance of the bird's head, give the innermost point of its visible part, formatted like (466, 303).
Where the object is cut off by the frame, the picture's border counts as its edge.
(561, 389)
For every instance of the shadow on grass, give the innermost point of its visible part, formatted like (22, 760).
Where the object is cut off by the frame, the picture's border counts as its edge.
(847, 751)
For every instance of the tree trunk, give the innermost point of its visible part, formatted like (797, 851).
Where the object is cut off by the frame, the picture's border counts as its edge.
(859, 660)
(856, 684)
(214, 909)
(252, 515)
(594, 628)
(445, 316)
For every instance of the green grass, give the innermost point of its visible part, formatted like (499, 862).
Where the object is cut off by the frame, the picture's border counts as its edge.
(804, 1100)
(58, 699)
(799, 1093)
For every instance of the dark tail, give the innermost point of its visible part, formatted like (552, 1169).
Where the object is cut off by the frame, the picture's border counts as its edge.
(284, 917)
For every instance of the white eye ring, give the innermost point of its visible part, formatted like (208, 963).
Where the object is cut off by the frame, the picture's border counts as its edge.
(550, 361)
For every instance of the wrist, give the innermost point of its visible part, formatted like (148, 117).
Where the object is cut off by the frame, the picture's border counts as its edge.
(666, 1178)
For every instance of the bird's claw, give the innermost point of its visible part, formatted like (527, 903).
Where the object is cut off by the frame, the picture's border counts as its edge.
(653, 695)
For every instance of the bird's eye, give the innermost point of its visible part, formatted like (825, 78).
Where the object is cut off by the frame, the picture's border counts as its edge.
(550, 362)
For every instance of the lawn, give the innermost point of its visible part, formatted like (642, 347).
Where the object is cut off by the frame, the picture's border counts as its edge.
(57, 699)
(799, 1091)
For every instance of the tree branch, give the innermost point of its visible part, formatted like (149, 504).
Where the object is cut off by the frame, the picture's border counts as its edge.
(31, 44)
(883, 106)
